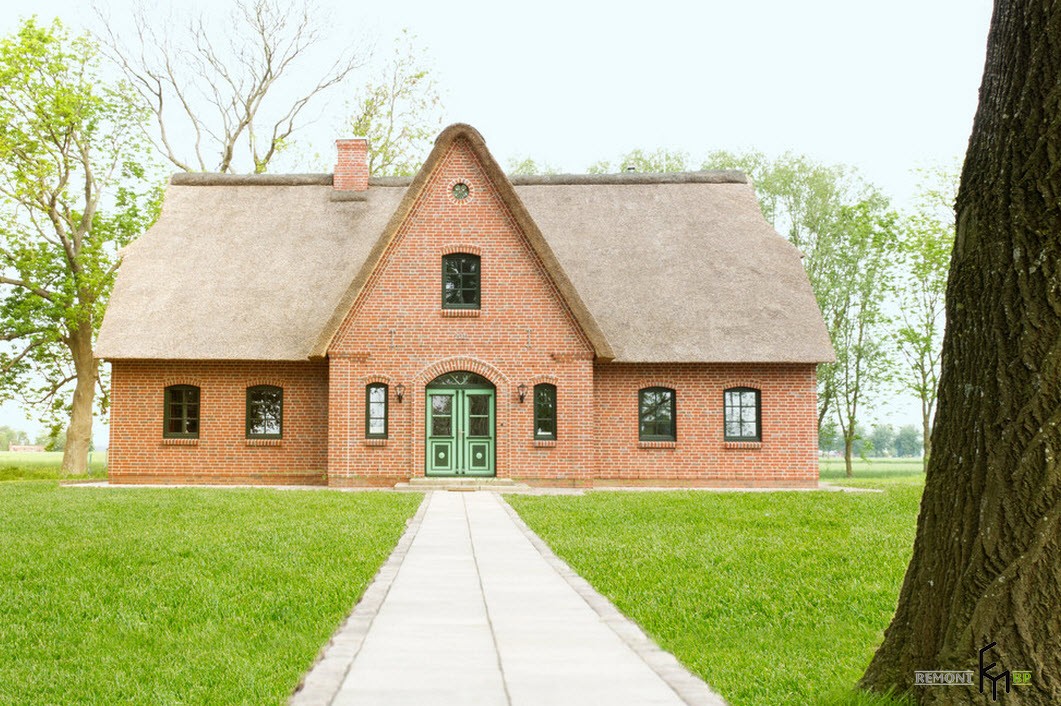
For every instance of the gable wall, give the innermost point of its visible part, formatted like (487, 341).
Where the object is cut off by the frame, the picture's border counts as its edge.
(222, 454)
(397, 332)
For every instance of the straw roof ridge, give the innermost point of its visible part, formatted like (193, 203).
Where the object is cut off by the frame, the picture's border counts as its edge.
(720, 176)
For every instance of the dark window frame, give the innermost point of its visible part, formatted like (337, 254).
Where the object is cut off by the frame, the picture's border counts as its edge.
(368, 410)
(167, 408)
(654, 434)
(550, 389)
(461, 259)
(247, 413)
(726, 407)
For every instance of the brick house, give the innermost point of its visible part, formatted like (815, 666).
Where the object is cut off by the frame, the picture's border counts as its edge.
(578, 330)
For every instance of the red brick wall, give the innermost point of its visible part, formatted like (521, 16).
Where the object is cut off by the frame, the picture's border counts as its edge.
(787, 454)
(397, 332)
(222, 454)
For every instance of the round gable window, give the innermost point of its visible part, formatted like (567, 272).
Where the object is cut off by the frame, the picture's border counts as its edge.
(460, 191)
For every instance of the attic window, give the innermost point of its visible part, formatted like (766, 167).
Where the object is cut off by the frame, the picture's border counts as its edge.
(460, 281)
(460, 191)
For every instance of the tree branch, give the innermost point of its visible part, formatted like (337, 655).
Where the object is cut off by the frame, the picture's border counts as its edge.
(39, 291)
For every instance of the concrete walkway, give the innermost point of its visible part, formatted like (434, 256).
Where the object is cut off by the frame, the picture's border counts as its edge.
(473, 609)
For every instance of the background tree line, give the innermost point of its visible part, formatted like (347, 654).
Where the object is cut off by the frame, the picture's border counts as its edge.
(882, 441)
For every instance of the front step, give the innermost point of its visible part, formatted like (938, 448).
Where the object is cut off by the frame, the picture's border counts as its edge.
(501, 485)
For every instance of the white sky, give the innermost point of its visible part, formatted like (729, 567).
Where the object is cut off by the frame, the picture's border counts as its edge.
(884, 86)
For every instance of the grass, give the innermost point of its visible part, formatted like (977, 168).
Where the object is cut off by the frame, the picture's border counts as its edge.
(877, 473)
(45, 465)
(772, 598)
(189, 596)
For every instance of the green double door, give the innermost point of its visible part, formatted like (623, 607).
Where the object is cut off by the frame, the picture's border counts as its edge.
(460, 430)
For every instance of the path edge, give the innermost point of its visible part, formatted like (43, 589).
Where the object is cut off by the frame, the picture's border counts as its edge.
(322, 682)
(693, 690)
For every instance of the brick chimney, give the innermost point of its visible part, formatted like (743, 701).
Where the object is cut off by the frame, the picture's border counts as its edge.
(351, 165)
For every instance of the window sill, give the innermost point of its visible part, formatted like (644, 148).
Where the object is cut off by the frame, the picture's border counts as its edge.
(543, 443)
(264, 442)
(373, 442)
(180, 442)
(461, 313)
(742, 444)
(657, 444)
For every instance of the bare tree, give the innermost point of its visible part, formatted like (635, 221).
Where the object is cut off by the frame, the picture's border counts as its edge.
(237, 92)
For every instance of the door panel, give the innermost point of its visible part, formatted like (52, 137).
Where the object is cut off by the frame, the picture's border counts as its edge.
(478, 423)
(441, 440)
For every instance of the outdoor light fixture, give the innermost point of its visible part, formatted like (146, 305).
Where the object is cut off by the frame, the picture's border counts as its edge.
(399, 390)
(522, 392)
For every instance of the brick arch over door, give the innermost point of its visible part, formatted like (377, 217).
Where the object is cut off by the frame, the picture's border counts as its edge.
(505, 399)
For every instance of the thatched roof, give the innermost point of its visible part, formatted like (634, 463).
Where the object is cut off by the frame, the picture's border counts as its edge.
(656, 267)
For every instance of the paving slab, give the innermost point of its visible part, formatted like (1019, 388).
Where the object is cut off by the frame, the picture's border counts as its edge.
(474, 609)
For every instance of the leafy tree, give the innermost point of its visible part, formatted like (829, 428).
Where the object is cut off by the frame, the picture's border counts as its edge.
(883, 438)
(861, 442)
(72, 192)
(399, 113)
(637, 160)
(239, 88)
(984, 569)
(829, 437)
(53, 440)
(859, 281)
(908, 441)
(9, 436)
(527, 166)
(925, 244)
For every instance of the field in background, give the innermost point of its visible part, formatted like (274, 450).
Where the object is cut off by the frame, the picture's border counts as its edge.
(45, 465)
(873, 472)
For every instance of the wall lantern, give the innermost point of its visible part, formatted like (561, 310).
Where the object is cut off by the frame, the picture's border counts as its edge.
(522, 389)
(399, 390)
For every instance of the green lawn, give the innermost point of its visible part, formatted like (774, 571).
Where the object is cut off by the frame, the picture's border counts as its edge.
(773, 598)
(45, 465)
(188, 596)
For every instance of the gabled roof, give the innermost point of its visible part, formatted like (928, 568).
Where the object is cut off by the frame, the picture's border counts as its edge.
(655, 267)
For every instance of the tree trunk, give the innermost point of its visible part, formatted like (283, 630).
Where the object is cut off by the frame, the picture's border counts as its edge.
(926, 435)
(985, 565)
(849, 443)
(79, 433)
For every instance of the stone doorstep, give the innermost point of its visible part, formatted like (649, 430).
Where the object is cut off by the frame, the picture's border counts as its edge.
(501, 485)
